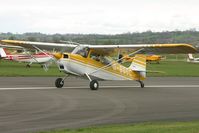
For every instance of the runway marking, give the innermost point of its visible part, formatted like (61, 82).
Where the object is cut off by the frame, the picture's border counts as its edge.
(149, 86)
(26, 88)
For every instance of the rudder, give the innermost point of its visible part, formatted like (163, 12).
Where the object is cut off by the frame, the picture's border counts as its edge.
(139, 64)
(2, 53)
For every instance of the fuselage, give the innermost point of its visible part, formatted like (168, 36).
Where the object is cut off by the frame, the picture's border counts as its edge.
(192, 59)
(35, 58)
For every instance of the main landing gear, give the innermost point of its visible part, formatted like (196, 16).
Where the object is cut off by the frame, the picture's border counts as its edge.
(94, 85)
(141, 83)
(28, 66)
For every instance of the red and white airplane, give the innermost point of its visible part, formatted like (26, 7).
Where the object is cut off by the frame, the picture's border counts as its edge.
(39, 58)
(192, 59)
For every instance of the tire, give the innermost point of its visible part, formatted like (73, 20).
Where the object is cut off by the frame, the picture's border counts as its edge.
(141, 84)
(59, 83)
(94, 85)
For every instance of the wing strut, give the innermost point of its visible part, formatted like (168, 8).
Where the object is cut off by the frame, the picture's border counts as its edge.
(28, 65)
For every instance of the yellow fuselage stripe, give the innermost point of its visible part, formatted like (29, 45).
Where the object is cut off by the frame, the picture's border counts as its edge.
(119, 69)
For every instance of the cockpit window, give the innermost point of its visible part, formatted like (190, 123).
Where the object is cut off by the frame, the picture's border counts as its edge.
(83, 51)
(101, 58)
(95, 56)
(105, 60)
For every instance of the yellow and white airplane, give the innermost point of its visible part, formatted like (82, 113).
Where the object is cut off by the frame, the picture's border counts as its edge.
(94, 62)
(153, 58)
(149, 58)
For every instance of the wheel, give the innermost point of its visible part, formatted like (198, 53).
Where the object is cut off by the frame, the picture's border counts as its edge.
(141, 84)
(94, 85)
(28, 66)
(59, 83)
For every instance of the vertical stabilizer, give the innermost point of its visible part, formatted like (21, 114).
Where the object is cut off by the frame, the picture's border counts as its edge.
(139, 64)
(2, 53)
(192, 59)
(190, 56)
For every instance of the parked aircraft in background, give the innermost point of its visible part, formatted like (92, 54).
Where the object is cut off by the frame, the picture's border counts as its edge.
(2, 51)
(153, 58)
(192, 59)
(149, 58)
(39, 58)
(94, 62)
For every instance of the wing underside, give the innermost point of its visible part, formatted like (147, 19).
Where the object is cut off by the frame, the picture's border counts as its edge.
(110, 49)
(146, 48)
(41, 45)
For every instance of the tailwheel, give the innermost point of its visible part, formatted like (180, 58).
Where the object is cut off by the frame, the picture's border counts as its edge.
(94, 85)
(141, 84)
(59, 82)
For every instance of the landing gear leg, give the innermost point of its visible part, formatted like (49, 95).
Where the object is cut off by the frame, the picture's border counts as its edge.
(28, 66)
(141, 83)
(94, 85)
(59, 82)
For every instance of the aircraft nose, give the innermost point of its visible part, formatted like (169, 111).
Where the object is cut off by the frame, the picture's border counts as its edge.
(57, 55)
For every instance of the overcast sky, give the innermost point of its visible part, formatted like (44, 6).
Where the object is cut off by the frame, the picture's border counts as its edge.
(97, 16)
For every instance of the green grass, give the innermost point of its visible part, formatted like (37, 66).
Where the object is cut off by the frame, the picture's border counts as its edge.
(165, 68)
(10, 68)
(174, 65)
(173, 68)
(154, 127)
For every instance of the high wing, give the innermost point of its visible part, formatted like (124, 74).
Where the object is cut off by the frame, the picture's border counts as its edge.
(147, 48)
(41, 45)
(9, 46)
(110, 49)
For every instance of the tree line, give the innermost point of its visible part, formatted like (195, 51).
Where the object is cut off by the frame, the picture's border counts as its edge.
(189, 36)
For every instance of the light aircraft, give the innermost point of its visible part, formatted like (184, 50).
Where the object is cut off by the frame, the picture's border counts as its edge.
(149, 58)
(192, 59)
(2, 51)
(94, 62)
(38, 58)
(153, 58)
